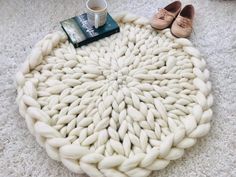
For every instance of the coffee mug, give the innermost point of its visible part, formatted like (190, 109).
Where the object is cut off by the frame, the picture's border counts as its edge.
(97, 12)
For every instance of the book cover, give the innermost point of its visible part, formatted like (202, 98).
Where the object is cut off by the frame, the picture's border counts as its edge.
(80, 32)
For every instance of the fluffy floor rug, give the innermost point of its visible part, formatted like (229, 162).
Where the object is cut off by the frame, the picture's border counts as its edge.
(23, 23)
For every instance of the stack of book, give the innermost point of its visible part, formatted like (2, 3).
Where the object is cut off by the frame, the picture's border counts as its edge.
(80, 32)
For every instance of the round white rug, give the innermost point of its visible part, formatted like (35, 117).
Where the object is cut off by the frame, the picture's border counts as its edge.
(122, 106)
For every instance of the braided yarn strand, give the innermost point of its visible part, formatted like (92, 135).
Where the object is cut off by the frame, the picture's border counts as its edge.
(123, 106)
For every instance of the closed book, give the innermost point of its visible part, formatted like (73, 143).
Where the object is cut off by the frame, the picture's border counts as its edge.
(80, 32)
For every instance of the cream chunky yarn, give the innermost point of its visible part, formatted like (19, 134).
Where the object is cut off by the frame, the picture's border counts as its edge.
(122, 106)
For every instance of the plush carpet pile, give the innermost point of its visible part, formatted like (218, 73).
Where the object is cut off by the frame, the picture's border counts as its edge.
(23, 23)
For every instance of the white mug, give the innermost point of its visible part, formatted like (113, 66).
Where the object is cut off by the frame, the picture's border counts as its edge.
(97, 12)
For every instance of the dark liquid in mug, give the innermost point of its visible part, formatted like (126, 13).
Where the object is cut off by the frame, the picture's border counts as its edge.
(96, 8)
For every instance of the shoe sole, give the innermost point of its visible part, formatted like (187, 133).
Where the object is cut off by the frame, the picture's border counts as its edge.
(158, 28)
(173, 34)
(177, 36)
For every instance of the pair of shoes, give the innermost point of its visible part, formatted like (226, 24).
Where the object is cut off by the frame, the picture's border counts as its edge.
(181, 21)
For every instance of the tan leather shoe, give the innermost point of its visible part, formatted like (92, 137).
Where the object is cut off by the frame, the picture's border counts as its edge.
(164, 17)
(183, 24)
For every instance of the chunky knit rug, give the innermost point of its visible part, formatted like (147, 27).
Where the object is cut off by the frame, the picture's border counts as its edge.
(122, 106)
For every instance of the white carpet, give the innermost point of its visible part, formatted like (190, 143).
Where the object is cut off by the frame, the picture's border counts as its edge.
(23, 23)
